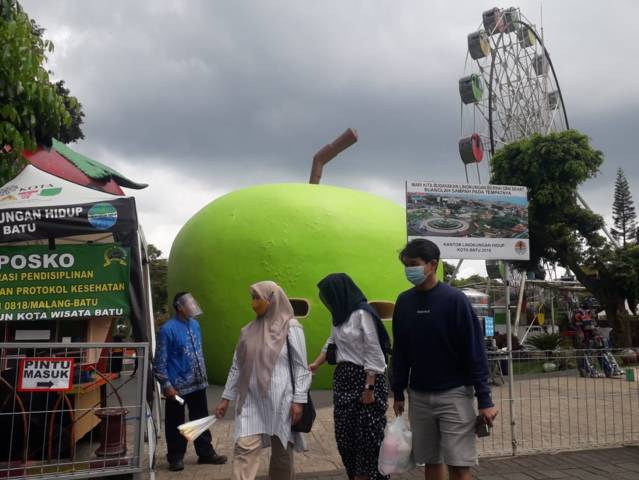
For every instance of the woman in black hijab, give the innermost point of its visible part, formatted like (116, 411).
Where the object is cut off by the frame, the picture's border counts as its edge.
(358, 345)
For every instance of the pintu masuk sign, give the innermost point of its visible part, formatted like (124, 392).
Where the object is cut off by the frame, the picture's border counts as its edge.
(45, 374)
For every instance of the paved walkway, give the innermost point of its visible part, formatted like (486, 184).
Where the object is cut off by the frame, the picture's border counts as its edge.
(605, 464)
(322, 460)
(613, 463)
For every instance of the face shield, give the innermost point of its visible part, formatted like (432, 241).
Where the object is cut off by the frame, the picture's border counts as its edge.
(188, 304)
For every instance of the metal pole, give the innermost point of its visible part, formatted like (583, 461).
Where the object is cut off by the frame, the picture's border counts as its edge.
(520, 301)
(156, 404)
(552, 310)
(139, 448)
(511, 377)
(456, 271)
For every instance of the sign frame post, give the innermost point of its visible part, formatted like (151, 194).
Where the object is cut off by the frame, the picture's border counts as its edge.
(478, 222)
(511, 376)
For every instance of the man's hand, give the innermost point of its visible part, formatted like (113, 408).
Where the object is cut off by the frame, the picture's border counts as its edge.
(221, 407)
(489, 415)
(170, 392)
(398, 407)
(296, 413)
(368, 397)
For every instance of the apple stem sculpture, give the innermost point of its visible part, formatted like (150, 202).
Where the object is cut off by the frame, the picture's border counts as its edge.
(329, 151)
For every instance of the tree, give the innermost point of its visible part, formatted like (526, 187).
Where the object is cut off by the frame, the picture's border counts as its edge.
(71, 132)
(473, 279)
(449, 269)
(508, 221)
(623, 211)
(33, 110)
(552, 167)
(157, 270)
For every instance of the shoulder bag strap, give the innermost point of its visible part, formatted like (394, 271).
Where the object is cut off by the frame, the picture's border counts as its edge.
(290, 363)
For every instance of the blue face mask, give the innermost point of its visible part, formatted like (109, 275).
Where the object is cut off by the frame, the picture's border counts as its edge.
(415, 275)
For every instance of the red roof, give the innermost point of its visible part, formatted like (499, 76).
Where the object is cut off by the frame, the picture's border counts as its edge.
(52, 162)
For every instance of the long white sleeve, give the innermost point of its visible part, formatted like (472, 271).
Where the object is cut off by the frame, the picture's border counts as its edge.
(373, 356)
(329, 340)
(230, 389)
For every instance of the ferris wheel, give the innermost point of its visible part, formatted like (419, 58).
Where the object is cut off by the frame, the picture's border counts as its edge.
(509, 89)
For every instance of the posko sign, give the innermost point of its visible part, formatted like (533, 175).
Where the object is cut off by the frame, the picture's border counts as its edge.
(70, 281)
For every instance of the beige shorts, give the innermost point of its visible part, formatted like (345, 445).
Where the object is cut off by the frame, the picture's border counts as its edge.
(443, 426)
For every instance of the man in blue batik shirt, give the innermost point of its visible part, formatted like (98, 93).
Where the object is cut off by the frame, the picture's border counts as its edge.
(179, 367)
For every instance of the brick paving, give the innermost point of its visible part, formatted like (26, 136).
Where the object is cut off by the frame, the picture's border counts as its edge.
(322, 461)
(604, 464)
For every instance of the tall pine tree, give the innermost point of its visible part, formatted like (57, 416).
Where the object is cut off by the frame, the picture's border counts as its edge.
(623, 211)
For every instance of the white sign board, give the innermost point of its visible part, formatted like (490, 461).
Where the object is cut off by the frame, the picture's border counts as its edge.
(45, 374)
(482, 222)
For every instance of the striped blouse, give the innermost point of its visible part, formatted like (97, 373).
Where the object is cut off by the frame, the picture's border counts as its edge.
(270, 415)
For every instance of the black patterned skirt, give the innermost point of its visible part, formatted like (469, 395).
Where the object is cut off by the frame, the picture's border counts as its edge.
(359, 428)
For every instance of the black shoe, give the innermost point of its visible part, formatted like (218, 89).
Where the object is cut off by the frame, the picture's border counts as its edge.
(176, 466)
(213, 460)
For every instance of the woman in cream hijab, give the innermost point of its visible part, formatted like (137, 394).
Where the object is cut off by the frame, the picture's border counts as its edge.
(260, 382)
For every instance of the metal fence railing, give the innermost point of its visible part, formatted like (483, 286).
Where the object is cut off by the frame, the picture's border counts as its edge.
(562, 400)
(72, 410)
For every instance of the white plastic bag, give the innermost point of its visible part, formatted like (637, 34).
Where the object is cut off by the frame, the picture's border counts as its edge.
(193, 429)
(395, 453)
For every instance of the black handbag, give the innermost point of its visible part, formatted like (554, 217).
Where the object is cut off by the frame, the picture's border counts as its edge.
(331, 354)
(308, 409)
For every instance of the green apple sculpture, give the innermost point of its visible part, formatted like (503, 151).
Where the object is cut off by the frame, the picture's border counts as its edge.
(293, 234)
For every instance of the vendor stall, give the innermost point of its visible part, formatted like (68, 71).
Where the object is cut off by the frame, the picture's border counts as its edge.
(72, 273)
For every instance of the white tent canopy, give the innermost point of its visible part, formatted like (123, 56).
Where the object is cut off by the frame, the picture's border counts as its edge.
(36, 188)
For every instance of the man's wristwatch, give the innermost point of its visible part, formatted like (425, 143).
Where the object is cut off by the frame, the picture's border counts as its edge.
(369, 387)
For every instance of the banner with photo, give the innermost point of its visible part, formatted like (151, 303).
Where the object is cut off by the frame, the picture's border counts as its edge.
(481, 222)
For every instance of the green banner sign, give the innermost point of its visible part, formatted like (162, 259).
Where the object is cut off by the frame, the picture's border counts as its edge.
(71, 281)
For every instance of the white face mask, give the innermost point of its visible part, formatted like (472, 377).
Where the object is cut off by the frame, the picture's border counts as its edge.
(190, 307)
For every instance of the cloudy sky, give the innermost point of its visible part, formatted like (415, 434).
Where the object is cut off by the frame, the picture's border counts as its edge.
(199, 98)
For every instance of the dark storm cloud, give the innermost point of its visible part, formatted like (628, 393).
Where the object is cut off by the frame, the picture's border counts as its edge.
(246, 92)
(218, 83)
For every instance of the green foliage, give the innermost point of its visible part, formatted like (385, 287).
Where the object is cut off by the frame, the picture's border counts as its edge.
(71, 132)
(561, 230)
(33, 110)
(545, 341)
(462, 282)
(10, 165)
(449, 269)
(552, 167)
(623, 211)
(158, 268)
(508, 221)
(623, 268)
